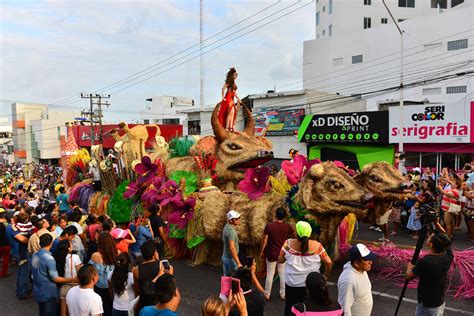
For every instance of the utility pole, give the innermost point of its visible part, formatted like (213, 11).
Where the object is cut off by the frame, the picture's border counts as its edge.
(202, 86)
(400, 129)
(99, 114)
(95, 116)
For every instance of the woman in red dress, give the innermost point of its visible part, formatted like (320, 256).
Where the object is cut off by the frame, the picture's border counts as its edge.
(228, 110)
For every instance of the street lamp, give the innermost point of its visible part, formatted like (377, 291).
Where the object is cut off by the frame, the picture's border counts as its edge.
(400, 129)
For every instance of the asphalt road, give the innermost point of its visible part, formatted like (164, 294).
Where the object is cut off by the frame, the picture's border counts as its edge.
(198, 283)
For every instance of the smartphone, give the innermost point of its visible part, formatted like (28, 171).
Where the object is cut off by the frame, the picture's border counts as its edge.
(165, 264)
(249, 262)
(235, 285)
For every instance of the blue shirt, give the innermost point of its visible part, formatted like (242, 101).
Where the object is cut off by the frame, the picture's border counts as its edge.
(142, 235)
(55, 245)
(43, 269)
(153, 311)
(62, 202)
(19, 249)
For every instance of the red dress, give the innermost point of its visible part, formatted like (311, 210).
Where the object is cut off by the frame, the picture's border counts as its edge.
(226, 107)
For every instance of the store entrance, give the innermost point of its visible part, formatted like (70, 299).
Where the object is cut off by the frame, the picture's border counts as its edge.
(349, 159)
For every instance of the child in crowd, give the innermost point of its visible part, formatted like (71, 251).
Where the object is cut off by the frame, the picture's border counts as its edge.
(414, 222)
(121, 241)
(24, 226)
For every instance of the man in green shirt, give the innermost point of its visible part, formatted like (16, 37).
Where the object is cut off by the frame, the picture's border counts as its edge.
(230, 255)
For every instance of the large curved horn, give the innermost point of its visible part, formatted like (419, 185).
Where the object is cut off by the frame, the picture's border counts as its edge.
(219, 131)
(250, 127)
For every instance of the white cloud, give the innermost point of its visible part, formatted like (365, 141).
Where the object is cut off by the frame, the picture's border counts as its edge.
(52, 50)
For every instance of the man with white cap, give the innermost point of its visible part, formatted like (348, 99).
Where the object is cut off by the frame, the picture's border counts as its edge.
(354, 287)
(230, 255)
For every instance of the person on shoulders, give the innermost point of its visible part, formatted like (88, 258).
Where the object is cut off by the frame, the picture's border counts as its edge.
(82, 300)
(353, 285)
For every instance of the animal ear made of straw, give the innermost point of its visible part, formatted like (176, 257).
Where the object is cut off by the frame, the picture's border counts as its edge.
(317, 171)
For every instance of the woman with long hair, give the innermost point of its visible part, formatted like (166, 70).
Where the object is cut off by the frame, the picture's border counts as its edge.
(228, 110)
(302, 256)
(215, 306)
(104, 261)
(318, 301)
(67, 265)
(121, 285)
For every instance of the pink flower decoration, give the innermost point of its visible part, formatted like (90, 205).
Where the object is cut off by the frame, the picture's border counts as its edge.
(132, 190)
(150, 196)
(183, 211)
(147, 169)
(255, 182)
(296, 169)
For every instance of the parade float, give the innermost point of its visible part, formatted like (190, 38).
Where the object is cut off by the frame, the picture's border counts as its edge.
(197, 181)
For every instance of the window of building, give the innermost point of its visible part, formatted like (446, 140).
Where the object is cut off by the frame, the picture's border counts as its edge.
(324, 8)
(324, 32)
(337, 61)
(443, 4)
(431, 91)
(367, 2)
(401, 20)
(194, 128)
(330, 7)
(330, 30)
(456, 89)
(406, 3)
(456, 2)
(317, 18)
(357, 59)
(459, 44)
(429, 46)
(367, 23)
(170, 121)
(384, 20)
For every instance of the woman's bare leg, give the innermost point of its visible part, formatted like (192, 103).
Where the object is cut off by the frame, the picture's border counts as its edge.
(230, 117)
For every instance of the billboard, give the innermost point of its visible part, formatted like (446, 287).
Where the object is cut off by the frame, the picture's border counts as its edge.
(278, 123)
(440, 123)
(82, 134)
(345, 128)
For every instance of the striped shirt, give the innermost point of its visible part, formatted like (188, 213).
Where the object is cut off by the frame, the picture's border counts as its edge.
(446, 201)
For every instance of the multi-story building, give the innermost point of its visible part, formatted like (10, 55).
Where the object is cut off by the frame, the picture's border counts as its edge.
(359, 51)
(39, 132)
(6, 142)
(168, 110)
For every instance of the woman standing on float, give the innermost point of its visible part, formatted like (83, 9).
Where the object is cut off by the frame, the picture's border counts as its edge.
(228, 110)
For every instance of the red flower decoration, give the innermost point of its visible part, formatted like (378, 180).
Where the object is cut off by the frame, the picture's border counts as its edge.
(255, 182)
(297, 168)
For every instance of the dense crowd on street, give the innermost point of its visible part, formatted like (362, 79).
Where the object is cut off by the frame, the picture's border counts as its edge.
(77, 263)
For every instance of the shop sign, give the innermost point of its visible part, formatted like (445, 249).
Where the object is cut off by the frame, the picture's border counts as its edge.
(440, 123)
(278, 123)
(350, 128)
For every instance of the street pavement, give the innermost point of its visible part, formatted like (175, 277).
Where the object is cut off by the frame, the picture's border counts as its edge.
(199, 282)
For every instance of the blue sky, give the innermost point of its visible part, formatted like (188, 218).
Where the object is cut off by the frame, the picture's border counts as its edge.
(52, 50)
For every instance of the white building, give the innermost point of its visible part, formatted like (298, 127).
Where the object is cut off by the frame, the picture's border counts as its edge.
(357, 49)
(39, 132)
(166, 110)
(6, 141)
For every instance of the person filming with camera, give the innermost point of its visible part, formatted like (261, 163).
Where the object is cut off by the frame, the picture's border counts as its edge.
(432, 270)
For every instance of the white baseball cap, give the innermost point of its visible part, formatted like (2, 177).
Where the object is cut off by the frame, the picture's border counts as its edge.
(232, 215)
(360, 251)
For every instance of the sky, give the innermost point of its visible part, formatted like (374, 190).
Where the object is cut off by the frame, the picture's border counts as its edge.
(51, 51)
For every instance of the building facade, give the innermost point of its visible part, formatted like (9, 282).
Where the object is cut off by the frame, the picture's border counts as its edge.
(166, 110)
(357, 50)
(38, 132)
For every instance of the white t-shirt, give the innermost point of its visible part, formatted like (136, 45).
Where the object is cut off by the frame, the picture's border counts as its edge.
(83, 302)
(355, 292)
(122, 302)
(77, 242)
(67, 268)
